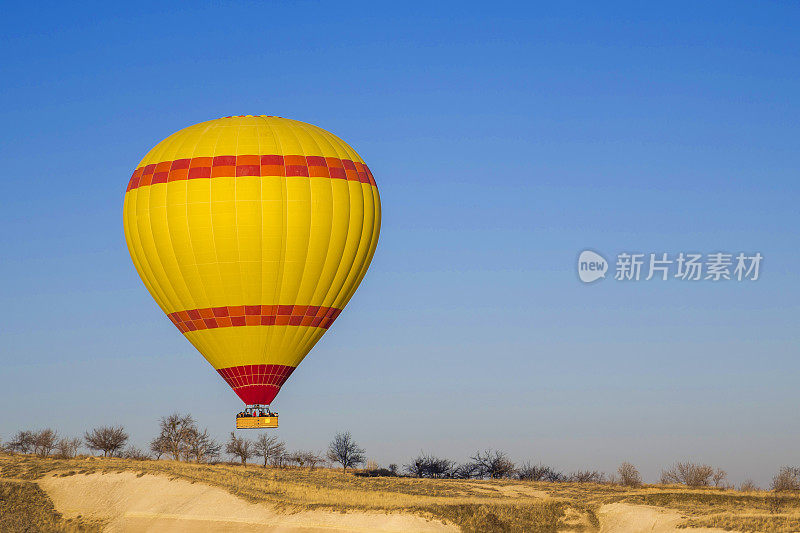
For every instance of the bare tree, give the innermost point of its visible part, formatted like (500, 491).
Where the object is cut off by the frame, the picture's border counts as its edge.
(44, 442)
(587, 476)
(201, 446)
(22, 442)
(540, 472)
(270, 448)
(132, 452)
(344, 451)
(690, 474)
(158, 447)
(748, 485)
(718, 476)
(305, 458)
(108, 439)
(787, 479)
(427, 465)
(493, 463)
(174, 434)
(68, 448)
(629, 475)
(240, 447)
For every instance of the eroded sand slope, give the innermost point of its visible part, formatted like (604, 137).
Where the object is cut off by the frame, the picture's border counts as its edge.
(153, 503)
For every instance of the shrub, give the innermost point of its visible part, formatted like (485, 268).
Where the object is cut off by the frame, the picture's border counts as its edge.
(426, 465)
(540, 472)
(748, 485)
(629, 476)
(587, 476)
(132, 452)
(788, 479)
(108, 439)
(68, 448)
(493, 463)
(22, 442)
(690, 474)
(44, 442)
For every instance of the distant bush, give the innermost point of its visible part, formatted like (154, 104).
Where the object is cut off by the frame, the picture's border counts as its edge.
(426, 465)
(22, 442)
(44, 442)
(629, 475)
(494, 464)
(540, 472)
(690, 474)
(586, 476)
(378, 472)
(788, 479)
(305, 458)
(718, 477)
(132, 452)
(748, 485)
(67, 448)
(108, 439)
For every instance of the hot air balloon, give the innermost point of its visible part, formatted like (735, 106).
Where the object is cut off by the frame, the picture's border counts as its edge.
(252, 233)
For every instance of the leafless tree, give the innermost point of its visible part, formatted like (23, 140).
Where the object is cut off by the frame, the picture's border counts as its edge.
(44, 442)
(68, 448)
(270, 448)
(748, 485)
(132, 452)
(305, 458)
(240, 447)
(173, 437)
(690, 474)
(158, 447)
(587, 476)
(344, 451)
(22, 442)
(719, 476)
(493, 463)
(108, 439)
(427, 465)
(787, 479)
(629, 475)
(199, 446)
(540, 472)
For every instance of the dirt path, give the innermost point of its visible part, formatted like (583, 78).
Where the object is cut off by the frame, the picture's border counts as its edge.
(154, 503)
(629, 518)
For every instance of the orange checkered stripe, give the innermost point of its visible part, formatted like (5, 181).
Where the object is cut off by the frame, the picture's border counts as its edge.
(250, 165)
(254, 315)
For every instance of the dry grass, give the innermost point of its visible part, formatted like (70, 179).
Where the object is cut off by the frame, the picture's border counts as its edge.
(25, 508)
(491, 505)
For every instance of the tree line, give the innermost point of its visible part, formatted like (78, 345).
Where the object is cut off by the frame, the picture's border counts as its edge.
(181, 439)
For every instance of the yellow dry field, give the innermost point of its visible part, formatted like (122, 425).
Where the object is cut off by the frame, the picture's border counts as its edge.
(94, 494)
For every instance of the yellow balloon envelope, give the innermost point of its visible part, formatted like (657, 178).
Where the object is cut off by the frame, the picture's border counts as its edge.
(252, 233)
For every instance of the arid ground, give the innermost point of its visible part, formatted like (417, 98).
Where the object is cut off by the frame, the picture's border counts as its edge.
(98, 494)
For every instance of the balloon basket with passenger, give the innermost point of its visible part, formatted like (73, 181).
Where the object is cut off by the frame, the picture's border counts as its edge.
(255, 417)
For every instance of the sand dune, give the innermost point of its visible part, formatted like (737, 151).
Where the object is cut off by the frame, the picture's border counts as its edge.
(629, 518)
(130, 502)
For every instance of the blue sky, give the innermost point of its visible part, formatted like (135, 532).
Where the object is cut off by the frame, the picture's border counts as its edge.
(505, 138)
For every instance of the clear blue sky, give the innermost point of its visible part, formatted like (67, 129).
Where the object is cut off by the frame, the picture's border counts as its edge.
(505, 138)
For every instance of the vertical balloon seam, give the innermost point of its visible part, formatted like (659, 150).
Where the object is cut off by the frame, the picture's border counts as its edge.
(290, 293)
(310, 333)
(295, 336)
(200, 342)
(339, 253)
(330, 295)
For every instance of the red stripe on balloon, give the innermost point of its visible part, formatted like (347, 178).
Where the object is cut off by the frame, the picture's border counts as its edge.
(254, 315)
(250, 165)
(256, 384)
